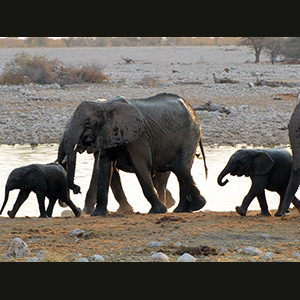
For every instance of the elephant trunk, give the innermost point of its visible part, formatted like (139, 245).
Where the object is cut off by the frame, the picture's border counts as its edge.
(291, 189)
(5, 199)
(225, 171)
(71, 165)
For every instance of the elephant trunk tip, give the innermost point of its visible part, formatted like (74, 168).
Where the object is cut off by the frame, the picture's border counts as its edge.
(222, 183)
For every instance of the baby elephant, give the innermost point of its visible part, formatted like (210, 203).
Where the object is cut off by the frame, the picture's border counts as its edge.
(45, 181)
(268, 169)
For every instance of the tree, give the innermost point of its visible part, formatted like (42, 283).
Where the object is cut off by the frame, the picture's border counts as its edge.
(274, 47)
(258, 43)
(291, 49)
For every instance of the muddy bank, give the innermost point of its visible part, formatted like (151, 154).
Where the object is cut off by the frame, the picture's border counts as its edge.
(259, 114)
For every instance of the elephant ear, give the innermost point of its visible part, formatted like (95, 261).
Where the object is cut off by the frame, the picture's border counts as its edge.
(261, 164)
(29, 177)
(119, 123)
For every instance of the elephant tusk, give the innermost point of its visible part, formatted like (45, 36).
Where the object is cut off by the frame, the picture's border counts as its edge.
(64, 160)
(75, 147)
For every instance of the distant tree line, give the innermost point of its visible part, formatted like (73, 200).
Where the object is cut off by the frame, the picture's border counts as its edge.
(288, 48)
(14, 42)
(285, 49)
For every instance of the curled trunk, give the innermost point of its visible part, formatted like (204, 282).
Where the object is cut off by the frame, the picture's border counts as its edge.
(225, 172)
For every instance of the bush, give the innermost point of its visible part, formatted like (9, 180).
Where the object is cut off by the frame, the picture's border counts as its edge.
(25, 69)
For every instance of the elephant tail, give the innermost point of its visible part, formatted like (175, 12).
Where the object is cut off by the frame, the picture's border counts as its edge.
(5, 199)
(204, 159)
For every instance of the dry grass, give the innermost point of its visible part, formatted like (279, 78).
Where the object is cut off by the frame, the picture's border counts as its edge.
(25, 69)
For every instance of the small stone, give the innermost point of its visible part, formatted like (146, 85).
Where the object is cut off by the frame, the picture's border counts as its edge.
(267, 256)
(153, 244)
(77, 232)
(32, 259)
(186, 257)
(82, 259)
(251, 251)
(159, 257)
(223, 250)
(18, 248)
(41, 255)
(265, 235)
(97, 258)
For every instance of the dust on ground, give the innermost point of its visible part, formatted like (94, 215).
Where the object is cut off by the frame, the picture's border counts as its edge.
(125, 237)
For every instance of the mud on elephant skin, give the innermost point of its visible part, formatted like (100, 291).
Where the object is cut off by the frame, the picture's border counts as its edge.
(268, 170)
(142, 136)
(47, 180)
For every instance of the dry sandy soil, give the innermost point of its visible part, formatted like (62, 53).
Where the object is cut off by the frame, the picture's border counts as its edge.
(126, 237)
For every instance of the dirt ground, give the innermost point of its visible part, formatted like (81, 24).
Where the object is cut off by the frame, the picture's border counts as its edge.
(126, 237)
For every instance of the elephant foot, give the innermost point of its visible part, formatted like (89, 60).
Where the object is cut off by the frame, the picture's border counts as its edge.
(170, 201)
(240, 211)
(88, 210)
(11, 214)
(265, 213)
(125, 207)
(100, 212)
(159, 208)
(182, 208)
(197, 203)
(77, 212)
(279, 213)
(43, 216)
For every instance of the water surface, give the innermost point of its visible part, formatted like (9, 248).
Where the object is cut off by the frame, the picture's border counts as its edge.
(218, 198)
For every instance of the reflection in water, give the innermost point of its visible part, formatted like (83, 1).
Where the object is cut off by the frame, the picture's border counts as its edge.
(218, 198)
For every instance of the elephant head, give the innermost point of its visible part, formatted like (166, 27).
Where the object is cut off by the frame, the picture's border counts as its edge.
(100, 124)
(247, 163)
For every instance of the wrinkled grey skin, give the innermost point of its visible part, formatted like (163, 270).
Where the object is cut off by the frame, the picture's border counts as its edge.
(143, 136)
(268, 169)
(159, 181)
(45, 181)
(294, 136)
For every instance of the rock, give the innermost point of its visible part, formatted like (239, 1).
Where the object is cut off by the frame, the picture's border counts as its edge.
(77, 232)
(265, 236)
(267, 256)
(32, 259)
(18, 248)
(97, 258)
(159, 257)
(82, 259)
(153, 244)
(41, 255)
(223, 250)
(186, 257)
(251, 251)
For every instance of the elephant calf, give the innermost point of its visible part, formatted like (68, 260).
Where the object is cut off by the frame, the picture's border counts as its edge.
(268, 169)
(45, 181)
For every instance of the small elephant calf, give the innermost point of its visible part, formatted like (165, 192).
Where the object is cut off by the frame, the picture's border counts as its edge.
(45, 181)
(268, 169)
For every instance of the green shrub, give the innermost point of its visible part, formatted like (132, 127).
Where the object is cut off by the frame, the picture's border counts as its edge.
(24, 69)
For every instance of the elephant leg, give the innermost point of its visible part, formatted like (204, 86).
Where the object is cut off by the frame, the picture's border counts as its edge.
(296, 203)
(197, 201)
(41, 201)
(23, 195)
(91, 195)
(51, 204)
(144, 177)
(263, 204)
(184, 202)
(65, 197)
(104, 166)
(160, 183)
(258, 185)
(117, 189)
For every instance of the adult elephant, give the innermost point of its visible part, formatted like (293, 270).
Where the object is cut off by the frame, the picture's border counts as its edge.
(294, 136)
(156, 134)
(159, 180)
